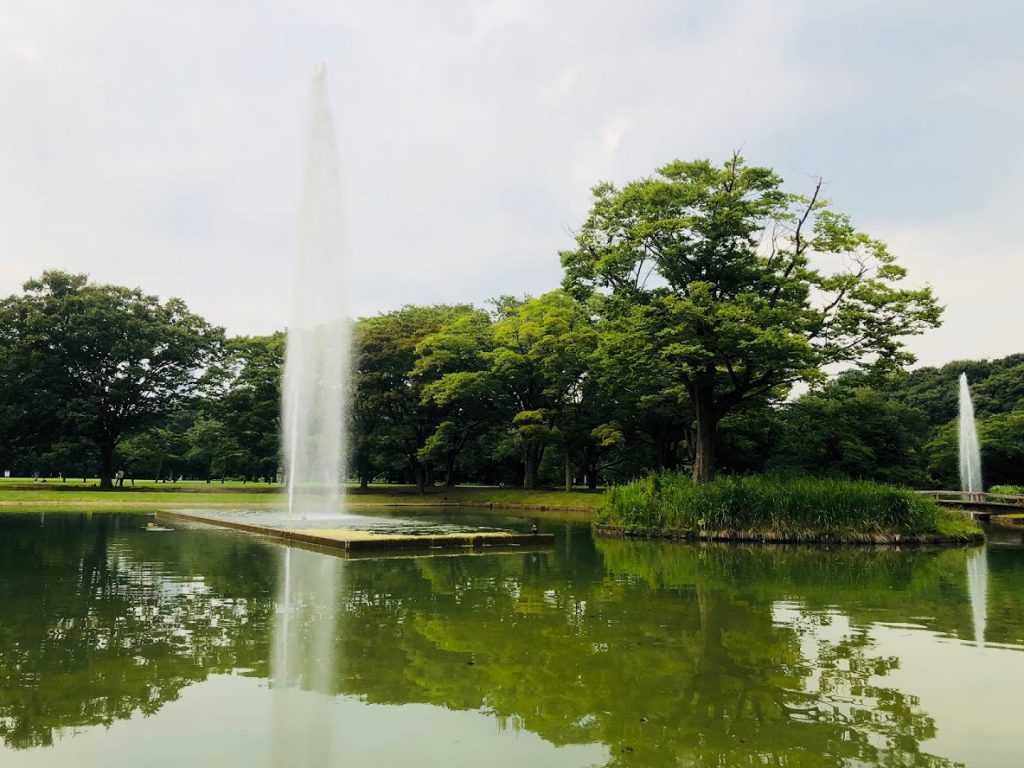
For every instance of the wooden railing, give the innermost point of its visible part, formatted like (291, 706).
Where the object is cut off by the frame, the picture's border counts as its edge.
(976, 497)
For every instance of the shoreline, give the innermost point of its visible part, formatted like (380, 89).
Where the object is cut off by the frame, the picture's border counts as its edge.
(783, 537)
(568, 513)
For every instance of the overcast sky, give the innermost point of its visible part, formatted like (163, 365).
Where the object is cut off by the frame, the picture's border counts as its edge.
(158, 144)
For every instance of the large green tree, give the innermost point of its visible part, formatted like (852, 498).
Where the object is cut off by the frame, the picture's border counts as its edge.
(745, 287)
(390, 411)
(97, 361)
(854, 432)
(454, 364)
(248, 401)
(541, 358)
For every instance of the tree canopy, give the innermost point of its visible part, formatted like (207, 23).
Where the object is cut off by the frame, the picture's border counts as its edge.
(744, 287)
(96, 361)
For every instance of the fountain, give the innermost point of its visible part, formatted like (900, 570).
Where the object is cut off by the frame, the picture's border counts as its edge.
(970, 451)
(316, 368)
(316, 358)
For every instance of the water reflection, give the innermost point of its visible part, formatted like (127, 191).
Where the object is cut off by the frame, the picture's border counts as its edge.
(977, 588)
(658, 654)
(303, 669)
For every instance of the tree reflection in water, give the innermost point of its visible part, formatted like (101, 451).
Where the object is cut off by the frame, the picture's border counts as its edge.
(101, 619)
(665, 653)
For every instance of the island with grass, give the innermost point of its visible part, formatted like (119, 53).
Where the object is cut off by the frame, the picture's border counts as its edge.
(780, 509)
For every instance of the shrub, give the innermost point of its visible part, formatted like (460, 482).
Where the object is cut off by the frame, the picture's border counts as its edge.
(1009, 490)
(767, 503)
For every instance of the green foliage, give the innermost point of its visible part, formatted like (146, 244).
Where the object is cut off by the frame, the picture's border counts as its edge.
(391, 415)
(857, 433)
(671, 501)
(1002, 451)
(1009, 490)
(249, 403)
(997, 386)
(95, 362)
(741, 288)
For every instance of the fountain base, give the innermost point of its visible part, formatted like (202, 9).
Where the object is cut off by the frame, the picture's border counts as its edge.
(357, 541)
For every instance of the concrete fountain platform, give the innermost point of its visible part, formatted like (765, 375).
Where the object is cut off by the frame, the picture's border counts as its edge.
(354, 540)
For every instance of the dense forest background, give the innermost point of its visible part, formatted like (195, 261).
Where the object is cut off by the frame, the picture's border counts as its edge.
(702, 319)
(532, 389)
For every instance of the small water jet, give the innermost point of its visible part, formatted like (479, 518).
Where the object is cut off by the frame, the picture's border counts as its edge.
(970, 450)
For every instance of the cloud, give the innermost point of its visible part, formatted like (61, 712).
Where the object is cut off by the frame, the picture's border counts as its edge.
(159, 144)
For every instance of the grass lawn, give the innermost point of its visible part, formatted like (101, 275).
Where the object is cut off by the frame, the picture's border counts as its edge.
(22, 494)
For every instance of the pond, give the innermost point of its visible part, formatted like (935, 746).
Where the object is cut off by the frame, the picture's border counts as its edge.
(122, 646)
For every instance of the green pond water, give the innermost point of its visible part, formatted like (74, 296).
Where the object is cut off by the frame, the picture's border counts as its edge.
(126, 647)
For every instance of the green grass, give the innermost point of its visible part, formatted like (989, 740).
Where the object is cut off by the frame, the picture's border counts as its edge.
(15, 495)
(786, 505)
(1009, 490)
(955, 524)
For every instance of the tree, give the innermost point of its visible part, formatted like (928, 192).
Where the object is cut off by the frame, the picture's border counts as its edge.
(745, 287)
(249, 403)
(853, 432)
(98, 361)
(158, 449)
(1002, 451)
(454, 364)
(389, 408)
(210, 445)
(542, 349)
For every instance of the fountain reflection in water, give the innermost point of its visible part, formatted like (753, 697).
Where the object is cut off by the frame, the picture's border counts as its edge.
(970, 450)
(977, 589)
(316, 366)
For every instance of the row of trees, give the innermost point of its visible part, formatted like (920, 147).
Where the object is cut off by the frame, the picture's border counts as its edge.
(692, 302)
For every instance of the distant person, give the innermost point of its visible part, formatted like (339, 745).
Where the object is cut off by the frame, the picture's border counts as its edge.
(119, 478)
(131, 476)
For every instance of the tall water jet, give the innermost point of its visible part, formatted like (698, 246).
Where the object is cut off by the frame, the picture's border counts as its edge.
(970, 450)
(316, 357)
(315, 378)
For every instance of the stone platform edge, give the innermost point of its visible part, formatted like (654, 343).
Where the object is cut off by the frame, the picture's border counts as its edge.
(377, 542)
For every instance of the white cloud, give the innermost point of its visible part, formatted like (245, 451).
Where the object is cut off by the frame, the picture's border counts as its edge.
(158, 144)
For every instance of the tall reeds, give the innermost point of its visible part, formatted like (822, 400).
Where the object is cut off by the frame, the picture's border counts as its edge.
(665, 501)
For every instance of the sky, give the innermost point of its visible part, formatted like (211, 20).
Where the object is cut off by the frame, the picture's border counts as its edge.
(159, 144)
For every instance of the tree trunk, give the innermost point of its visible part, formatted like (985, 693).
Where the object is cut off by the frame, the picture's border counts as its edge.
(706, 438)
(568, 472)
(449, 471)
(531, 463)
(666, 452)
(363, 466)
(106, 466)
(419, 473)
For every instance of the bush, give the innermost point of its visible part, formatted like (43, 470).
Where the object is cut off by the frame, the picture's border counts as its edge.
(670, 501)
(1009, 490)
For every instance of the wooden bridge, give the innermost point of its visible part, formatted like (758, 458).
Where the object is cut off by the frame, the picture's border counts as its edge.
(981, 505)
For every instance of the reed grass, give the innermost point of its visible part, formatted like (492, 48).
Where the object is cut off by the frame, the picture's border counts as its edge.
(670, 501)
(1009, 490)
